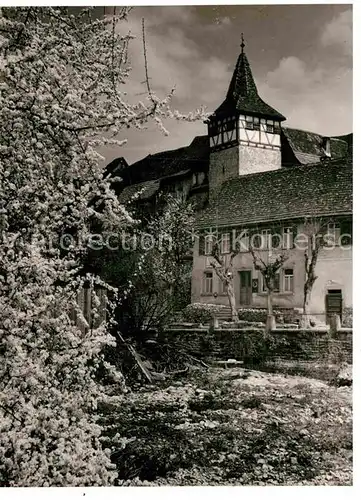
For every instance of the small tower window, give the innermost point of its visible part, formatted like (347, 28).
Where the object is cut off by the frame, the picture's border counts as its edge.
(277, 127)
(256, 123)
(270, 126)
(249, 122)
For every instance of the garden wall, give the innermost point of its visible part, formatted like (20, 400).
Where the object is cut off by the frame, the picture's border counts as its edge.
(250, 345)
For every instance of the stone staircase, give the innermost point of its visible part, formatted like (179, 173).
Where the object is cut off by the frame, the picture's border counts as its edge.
(224, 314)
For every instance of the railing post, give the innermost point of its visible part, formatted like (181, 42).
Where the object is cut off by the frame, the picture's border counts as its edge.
(270, 323)
(214, 323)
(335, 324)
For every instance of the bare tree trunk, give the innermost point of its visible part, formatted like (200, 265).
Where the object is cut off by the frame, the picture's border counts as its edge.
(232, 301)
(269, 303)
(270, 322)
(305, 320)
(307, 289)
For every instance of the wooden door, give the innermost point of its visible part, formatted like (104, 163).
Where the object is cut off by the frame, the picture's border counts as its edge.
(333, 304)
(245, 296)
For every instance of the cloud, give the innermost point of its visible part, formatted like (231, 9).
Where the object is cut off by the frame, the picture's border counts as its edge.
(173, 60)
(293, 74)
(311, 85)
(314, 93)
(311, 98)
(338, 32)
(222, 21)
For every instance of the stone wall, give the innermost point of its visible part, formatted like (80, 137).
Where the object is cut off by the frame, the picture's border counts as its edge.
(249, 345)
(257, 159)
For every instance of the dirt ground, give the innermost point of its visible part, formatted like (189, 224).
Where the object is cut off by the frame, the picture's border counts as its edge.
(234, 427)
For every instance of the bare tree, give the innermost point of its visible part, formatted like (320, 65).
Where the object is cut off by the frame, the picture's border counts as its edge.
(224, 270)
(314, 229)
(268, 260)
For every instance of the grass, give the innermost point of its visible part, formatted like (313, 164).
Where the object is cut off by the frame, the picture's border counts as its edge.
(216, 428)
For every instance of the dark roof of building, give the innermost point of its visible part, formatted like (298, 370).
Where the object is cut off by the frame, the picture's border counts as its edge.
(322, 190)
(242, 95)
(116, 166)
(308, 147)
(166, 163)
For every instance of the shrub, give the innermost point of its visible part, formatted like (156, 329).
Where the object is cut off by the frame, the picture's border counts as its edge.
(201, 313)
(347, 317)
(260, 315)
(253, 315)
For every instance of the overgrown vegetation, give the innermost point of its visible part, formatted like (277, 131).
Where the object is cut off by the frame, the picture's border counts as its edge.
(218, 428)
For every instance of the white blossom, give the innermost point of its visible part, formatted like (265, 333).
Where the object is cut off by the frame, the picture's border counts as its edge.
(60, 93)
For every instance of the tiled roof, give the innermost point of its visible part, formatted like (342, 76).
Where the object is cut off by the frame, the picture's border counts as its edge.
(194, 157)
(306, 158)
(308, 146)
(298, 147)
(243, 95)
(323, 189)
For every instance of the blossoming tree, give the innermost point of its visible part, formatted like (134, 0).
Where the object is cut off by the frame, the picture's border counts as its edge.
(61, 77)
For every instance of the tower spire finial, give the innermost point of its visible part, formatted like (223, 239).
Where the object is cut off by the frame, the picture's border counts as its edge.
(242, 43)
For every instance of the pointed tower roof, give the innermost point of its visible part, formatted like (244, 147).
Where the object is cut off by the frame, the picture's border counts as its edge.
(242, 95)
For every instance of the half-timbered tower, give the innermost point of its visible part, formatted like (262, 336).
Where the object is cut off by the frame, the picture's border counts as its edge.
(244, 131)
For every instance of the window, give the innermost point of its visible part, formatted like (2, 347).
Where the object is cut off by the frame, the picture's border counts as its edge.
(277, 127)
(270, 128)
(208, 244)
(256, 241)
(276, 284)
(287, 237)
(225, 243)
(230, 125)
(249, 122)
(276, 240)
(255, 123)
(229, 131)
(266, 236)
(333, 234)
(208, 283)
(244, 241)
(288, 280)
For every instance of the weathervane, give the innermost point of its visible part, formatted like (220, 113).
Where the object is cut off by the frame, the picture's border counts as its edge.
(242, 44)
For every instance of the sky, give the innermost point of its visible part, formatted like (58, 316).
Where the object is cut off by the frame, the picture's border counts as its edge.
(300, 56)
